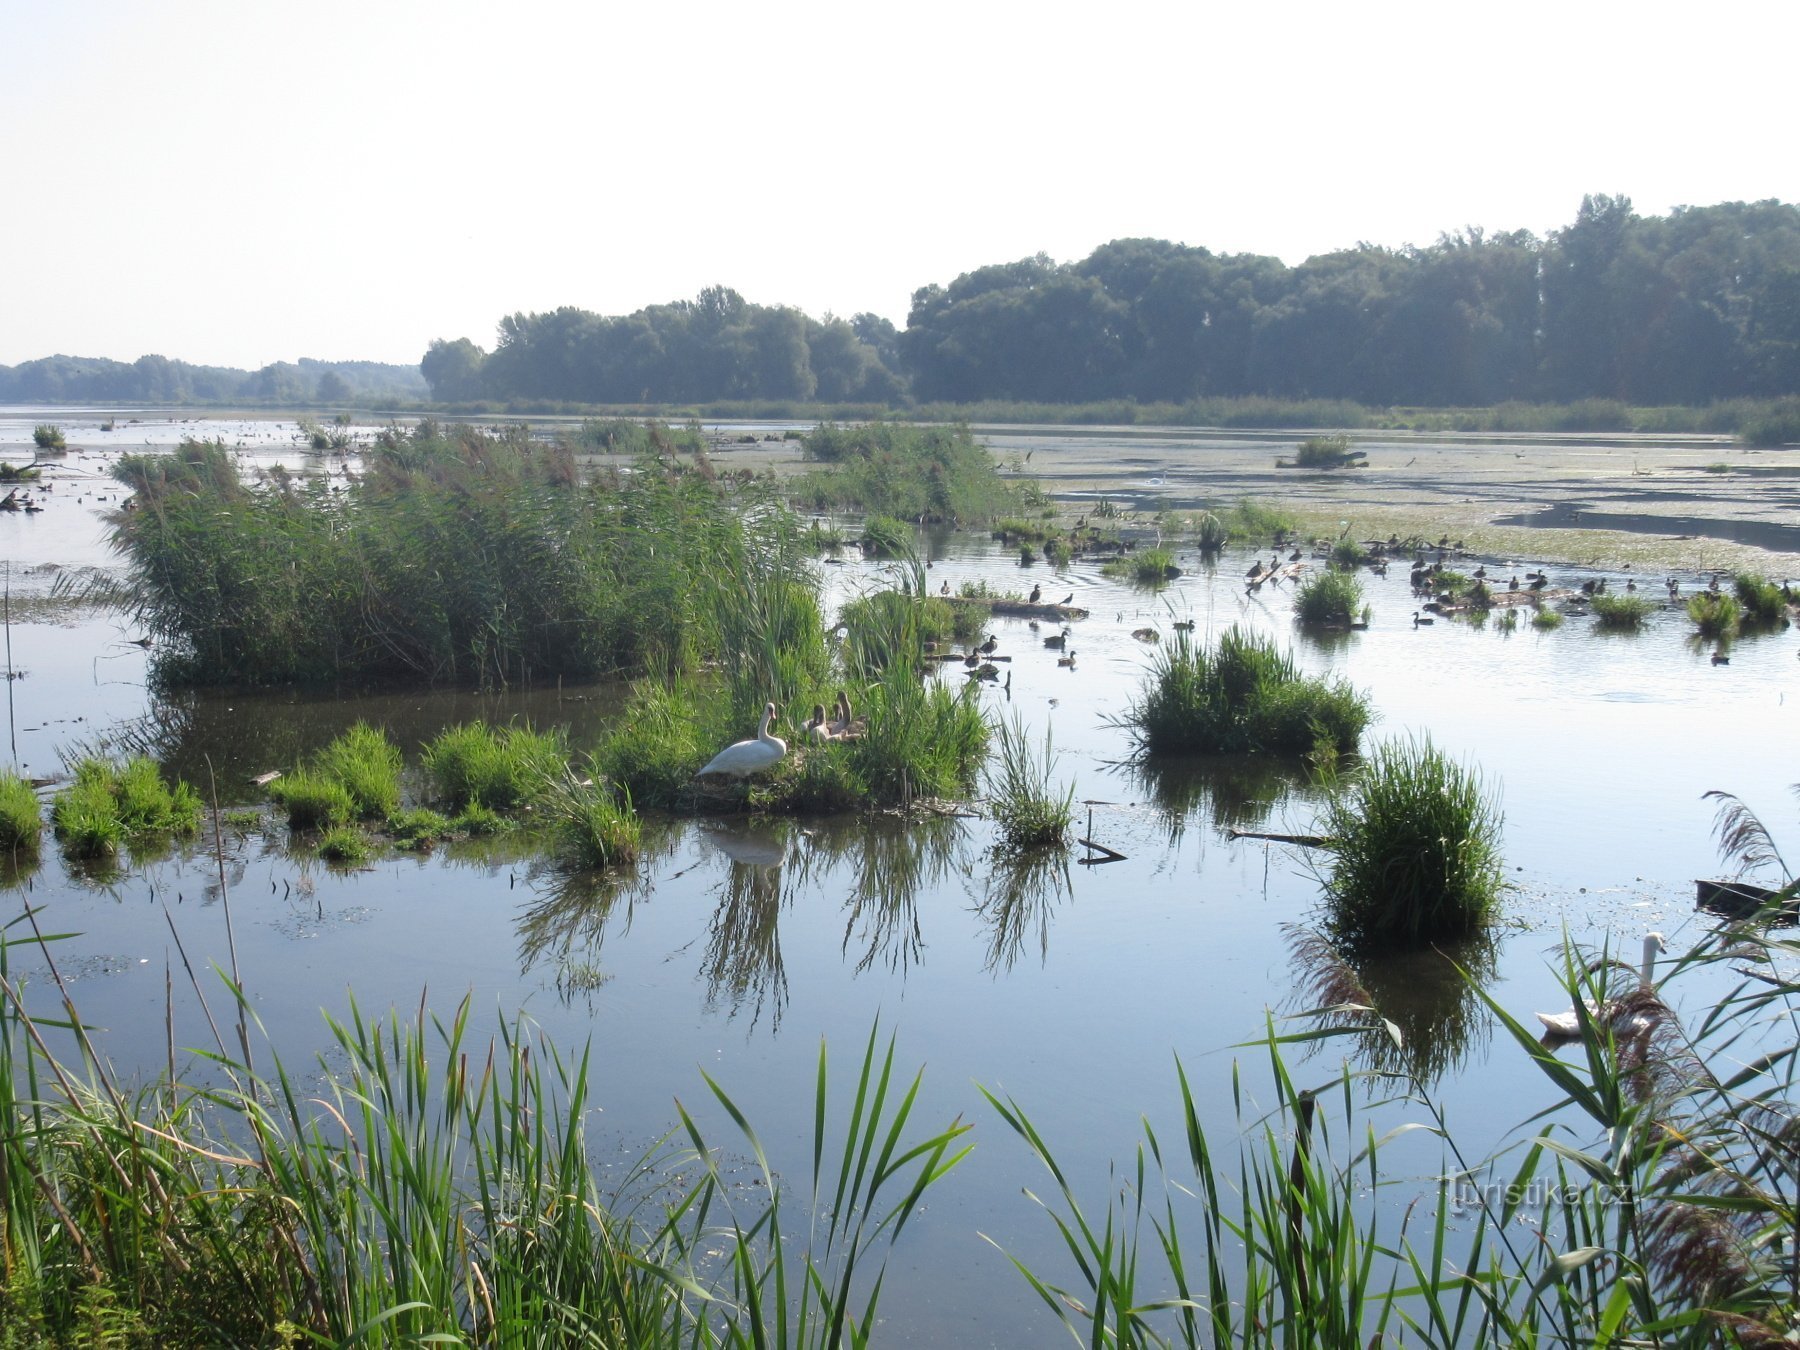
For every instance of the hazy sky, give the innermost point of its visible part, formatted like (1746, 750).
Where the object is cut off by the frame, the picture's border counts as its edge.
(248, 181)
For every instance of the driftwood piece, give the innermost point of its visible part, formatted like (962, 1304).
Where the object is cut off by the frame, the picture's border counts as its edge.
(1304, 840)
(1020, 609)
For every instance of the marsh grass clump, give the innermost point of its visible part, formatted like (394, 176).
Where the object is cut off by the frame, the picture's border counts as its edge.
(1762, 601)
(592, 822)
(415, 831)
(313, 800)
(663, 736)
(1415, 852)
(1546, 618)
(49, 437)
(1027, 810)
(1149, 567)
(1622, 613)
(1210, 533)
(1714, 615)
(343, 844)
(886, 537)
(1328, 599)
(477, 821)
(368, 764)
(1244, 696)
(454, 557)
(109, 804)
(502, 768)
(21, 818)
(1349, 554)
(924, 740)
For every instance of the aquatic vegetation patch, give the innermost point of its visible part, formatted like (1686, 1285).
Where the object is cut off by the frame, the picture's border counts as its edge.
(21, 818)
(592, 823)
(313, 800)
(1415, 848)
(454, 556)
(1243, 696)
(418, 829)
(1622, 612)
(1322, 452)
(108, 804)
(886, 537)
(1148, 567)
(1328, 599)
(1028, 811)
(1714, 614)
(368, 764)
(1764, 604)
(1210, 533)
(501, 768)
(257, 1207)
(1546, 618)
(49, 436)
(344, 844)
(1253, 520)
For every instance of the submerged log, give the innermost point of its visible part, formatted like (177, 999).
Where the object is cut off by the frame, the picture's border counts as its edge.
(1022, 609)
(1304, 840)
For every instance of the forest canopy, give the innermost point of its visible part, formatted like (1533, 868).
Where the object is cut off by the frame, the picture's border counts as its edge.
(1698, 305)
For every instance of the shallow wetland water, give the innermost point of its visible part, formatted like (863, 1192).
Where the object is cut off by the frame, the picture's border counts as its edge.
(739, 943)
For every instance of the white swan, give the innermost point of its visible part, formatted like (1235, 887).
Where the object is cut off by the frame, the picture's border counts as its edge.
(746, 757)
(1569, 1023)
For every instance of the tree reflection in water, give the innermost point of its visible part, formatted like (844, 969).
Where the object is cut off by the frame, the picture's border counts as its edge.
(1421, 1016)
(1022, 892)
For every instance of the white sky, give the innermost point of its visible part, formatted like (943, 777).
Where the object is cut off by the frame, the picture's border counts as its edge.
(244, 181)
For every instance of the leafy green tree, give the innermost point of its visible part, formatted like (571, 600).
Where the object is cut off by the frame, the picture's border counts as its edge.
(453, 370)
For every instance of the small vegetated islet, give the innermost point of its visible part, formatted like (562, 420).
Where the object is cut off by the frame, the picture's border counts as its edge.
(1242, 696)
(1622, 612)
(21, 818)
(1764, 604)
(1415, 848)
(1322, 452)
(1027, 810)
(501, 768)
(108, 804)
(1328, 599)
(1714, 614)
(1147, 567)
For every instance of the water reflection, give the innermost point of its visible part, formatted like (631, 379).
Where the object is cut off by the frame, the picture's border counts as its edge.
(564, 924)
(219, 739)
(1436, 1015)
(1234, 791)
(890, 863)
(1022, 893)
(742, 965)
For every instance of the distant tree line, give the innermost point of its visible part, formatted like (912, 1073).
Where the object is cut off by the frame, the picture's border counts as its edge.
(1698, 305)
(158, 379)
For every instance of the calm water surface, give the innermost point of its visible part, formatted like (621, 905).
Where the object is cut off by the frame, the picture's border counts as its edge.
(740, 943)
